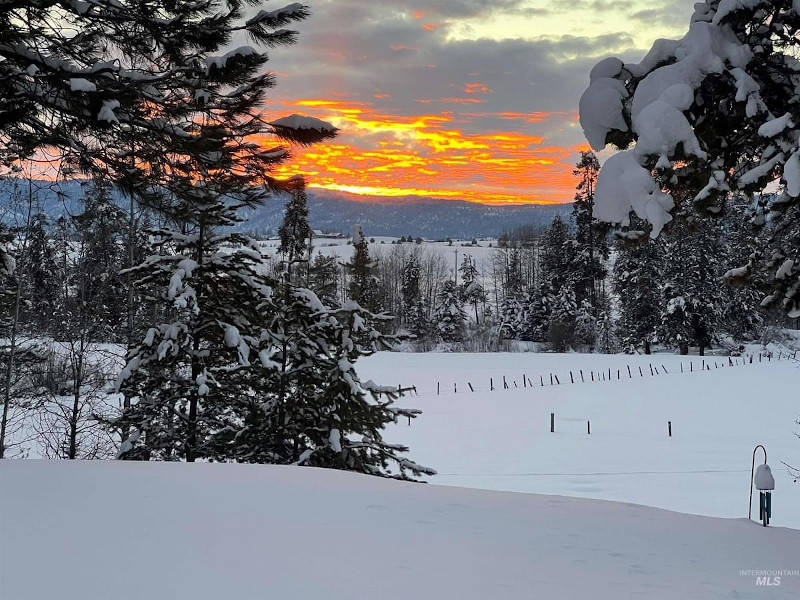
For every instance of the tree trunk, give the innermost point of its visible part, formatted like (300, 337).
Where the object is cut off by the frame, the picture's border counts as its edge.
(647, 346)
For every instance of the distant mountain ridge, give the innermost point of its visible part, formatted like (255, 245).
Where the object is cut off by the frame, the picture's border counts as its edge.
(339, 211)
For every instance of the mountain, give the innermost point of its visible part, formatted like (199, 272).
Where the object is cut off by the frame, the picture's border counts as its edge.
(415, 216)
(333, 211)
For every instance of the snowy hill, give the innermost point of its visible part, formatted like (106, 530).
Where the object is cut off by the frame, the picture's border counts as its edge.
(79, 531)
(339, 211)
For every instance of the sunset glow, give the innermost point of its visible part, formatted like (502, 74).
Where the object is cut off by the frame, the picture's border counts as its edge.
(459, 100)
(433, 155)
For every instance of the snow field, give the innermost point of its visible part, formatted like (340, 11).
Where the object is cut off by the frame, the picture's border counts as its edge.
(501, 440)
(86, 530)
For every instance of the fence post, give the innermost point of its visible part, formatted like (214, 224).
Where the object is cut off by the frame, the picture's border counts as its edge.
(470, 387)
(571, 380)
(629, 371)
(552, 422)
(551, 379)
(437, 388)
(491, 384)
(541, 380)
(455, 388)
(557, 381)
(669, 428)
(582, 379)
(524, 382)
(588, 427)
(665, 369)
(505, 385)
(640, 372)
(651, 369)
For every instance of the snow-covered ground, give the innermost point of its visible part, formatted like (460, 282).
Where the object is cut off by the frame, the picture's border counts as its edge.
(501, 440)
(92, 530)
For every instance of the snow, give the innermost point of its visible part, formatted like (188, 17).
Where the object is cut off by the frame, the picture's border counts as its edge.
(274, 15)
(106, 112)
(296, 121)
(670, 73)
(501, 440)
(785, 269)
(791, 174)
(763, 478)
(221, 62)
(209, 531)
(776, 126)
(600, 110)
(623, 185)
(81, 85)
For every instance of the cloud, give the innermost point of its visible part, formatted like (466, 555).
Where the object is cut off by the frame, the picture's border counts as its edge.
(490, 119)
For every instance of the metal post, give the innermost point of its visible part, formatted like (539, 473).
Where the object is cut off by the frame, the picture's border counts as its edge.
(752, 476)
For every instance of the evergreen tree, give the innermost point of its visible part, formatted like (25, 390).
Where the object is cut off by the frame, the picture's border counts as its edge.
(591, 247)
(449, 315)
(561, 331)
(295, 232)
(471, 289)
(101, 228)
(363, 282)
(188, 375)
(692, 299)
(586, 324)
(415, 314)
(637, 282)
(726, 120)
(324, 279)
(41, 284)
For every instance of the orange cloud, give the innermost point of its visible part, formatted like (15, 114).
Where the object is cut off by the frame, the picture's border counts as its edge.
(435, 155)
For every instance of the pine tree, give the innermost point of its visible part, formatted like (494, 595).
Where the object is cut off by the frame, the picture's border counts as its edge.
(586, 324)
(415, 314)
(692, 299)
(324, 279)
(471, 289)
(295, 232)
(637, 282)
(449, 316)
(363, 283)
(41, 284)
(561, 331)
(101, 228)
(726, 121)
(188, 375)
(591, 247)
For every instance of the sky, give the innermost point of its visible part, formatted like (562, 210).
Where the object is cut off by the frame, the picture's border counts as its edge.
(455, 99)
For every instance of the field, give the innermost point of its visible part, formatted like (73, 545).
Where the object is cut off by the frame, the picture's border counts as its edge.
(501, 440)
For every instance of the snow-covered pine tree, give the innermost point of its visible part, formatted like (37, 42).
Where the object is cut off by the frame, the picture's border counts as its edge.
(591, 246)
(637, 283)
(101, 229)
(41, 282)
(363, 283)
(295, 233)
(336, 420)
(561, 329)
(711, 113)
(741, 315)
(415, 313)
(586, 324)
(324, 279)
(121, 99)
(471, 289)
(449, 316)
(692, 299)
(187, 376)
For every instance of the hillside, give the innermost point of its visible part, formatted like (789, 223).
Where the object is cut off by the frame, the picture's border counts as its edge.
(339, 211)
